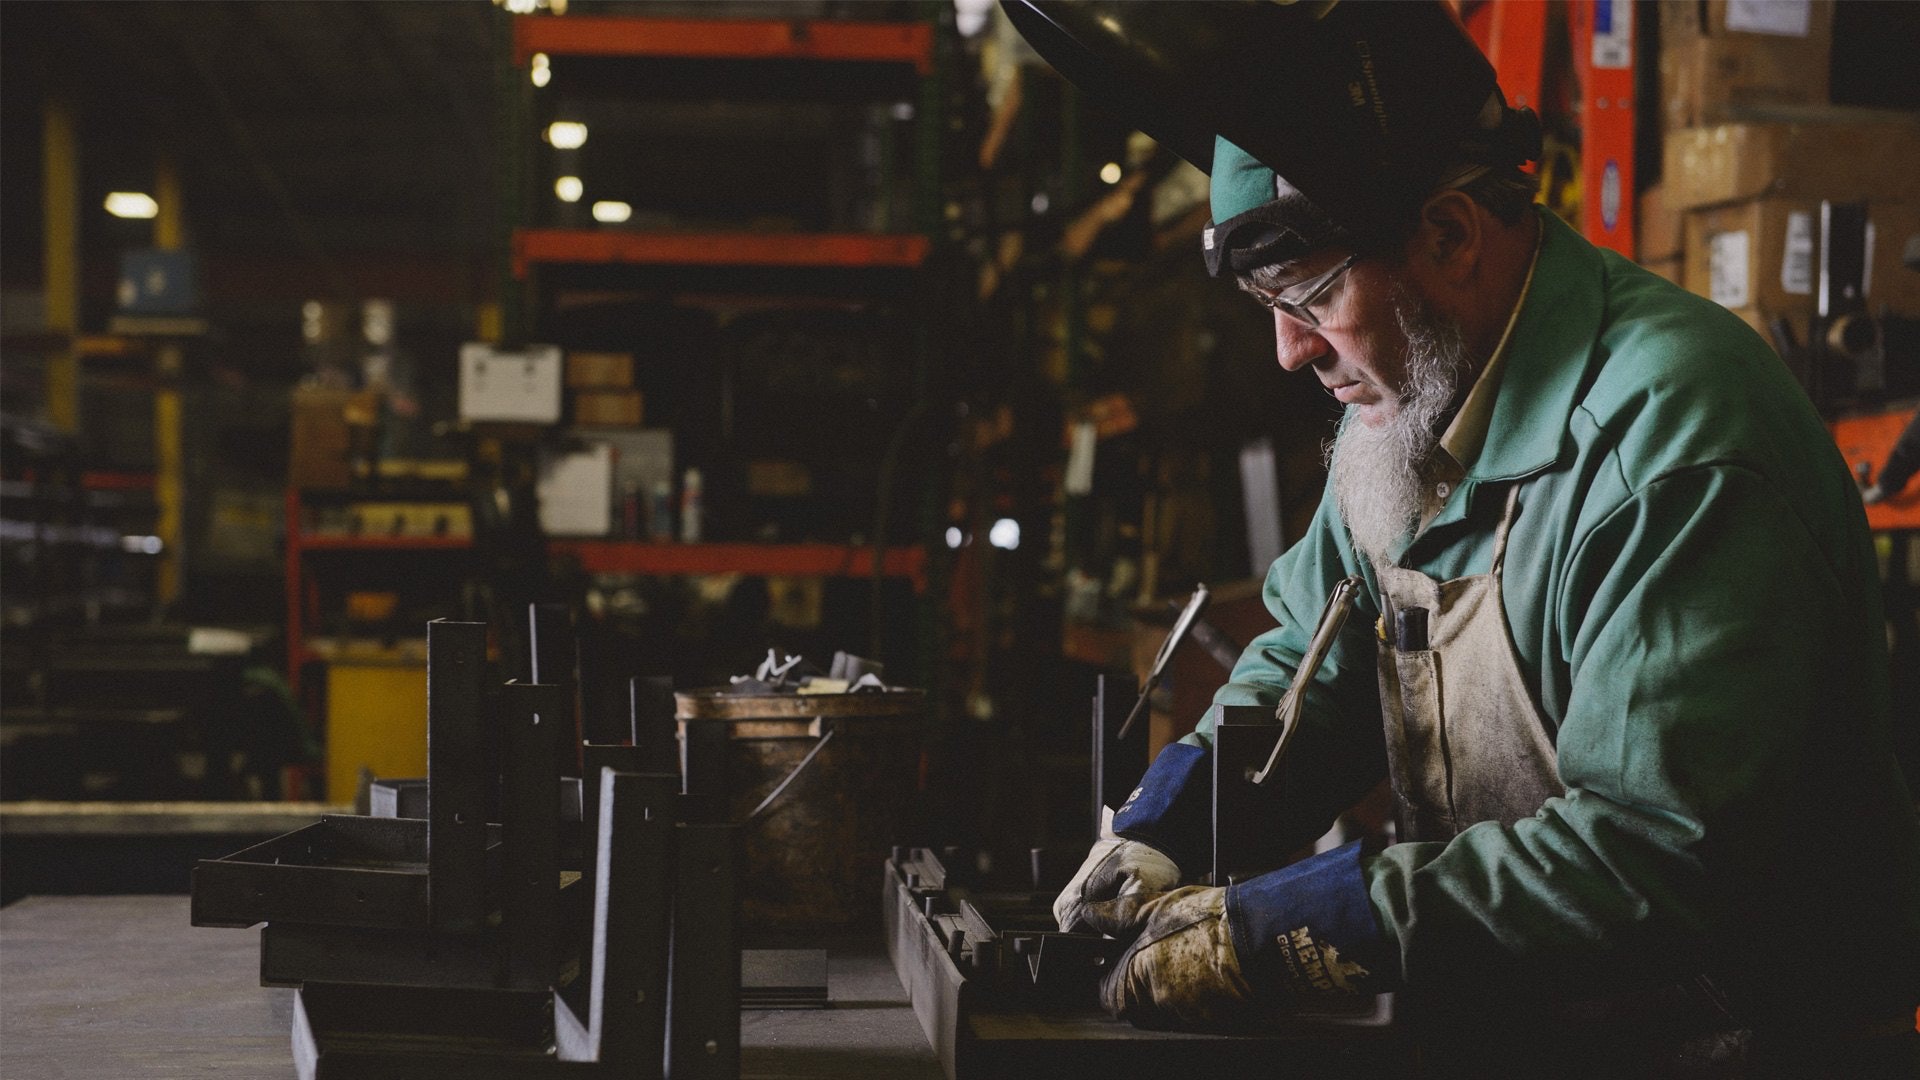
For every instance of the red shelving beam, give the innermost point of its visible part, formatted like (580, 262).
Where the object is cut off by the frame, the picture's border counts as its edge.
(724, 39)
(833, 250)
(795, 560)
(383, 543)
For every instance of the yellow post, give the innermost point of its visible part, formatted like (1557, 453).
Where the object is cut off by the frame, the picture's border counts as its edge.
(60, 164)
(168, 490)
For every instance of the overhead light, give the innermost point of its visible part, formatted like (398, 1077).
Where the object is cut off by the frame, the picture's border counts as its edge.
(569, 188)
(611, 212)
(955, 537)
(1005, 534)
(132, 204)
(972, 16)
(542, 69)
(1110, 172)
(567, 134)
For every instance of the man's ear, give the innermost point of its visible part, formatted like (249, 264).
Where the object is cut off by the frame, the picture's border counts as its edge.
(1450, 235)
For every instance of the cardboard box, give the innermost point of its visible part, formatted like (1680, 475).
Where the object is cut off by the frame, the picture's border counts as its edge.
(1840, 154)
(1890, 285)
(599, 371)
(607, 408)
(1719, 58)
(321, 439)
(1765, 255)
(1684, 20)
(1659, 233)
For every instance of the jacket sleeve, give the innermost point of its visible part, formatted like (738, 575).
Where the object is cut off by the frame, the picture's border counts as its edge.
(1695, 617)
(1340, 751)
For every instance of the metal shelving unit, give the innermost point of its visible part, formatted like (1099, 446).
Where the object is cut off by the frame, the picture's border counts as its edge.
(847, 263)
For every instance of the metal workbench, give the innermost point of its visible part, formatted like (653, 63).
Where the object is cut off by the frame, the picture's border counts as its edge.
(107, 987)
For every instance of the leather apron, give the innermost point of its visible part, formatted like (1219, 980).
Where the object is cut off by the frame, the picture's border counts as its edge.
(1466, 744)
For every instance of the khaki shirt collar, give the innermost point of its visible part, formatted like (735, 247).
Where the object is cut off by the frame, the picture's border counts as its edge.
(1467, 434)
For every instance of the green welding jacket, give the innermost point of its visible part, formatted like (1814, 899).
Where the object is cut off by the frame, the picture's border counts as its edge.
(1693, 599)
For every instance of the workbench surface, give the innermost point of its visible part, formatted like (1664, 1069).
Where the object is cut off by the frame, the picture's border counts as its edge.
(108, 987)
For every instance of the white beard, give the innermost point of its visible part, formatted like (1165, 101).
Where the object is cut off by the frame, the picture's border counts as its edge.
(1377, 473)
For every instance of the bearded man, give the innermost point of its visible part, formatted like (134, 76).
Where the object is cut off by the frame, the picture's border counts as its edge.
(1616, 644)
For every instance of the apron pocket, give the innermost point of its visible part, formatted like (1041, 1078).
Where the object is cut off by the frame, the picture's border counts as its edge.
(1422, 769)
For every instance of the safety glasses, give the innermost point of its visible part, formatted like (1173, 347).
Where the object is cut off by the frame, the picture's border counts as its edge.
(1297, 302)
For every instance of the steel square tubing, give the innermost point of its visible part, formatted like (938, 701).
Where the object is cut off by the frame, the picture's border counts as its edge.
(631, 917)
(1117, 767)
(1241, 742)
(555, 662)
(456, 774)
(343, 1030)
(595, 758)
(295, 953)
(530, 898)
(339, 871)
(703, 1037)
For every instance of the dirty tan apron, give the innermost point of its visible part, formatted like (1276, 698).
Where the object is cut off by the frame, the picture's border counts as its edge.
(1466, 743)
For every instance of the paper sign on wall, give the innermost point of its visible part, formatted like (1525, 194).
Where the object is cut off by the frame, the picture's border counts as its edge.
(1727, 263)
(510, 387)
(1796, 262)
(1785, 18)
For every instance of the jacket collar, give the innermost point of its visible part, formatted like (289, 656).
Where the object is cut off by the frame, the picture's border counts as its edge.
(1552, 345)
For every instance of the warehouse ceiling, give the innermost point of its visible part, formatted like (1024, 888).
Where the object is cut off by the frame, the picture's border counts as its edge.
(340, 125)
(299, 127)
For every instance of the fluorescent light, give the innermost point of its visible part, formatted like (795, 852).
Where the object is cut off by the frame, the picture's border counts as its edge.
(1004, 534)
(567, 135)
(569, 188)
(132, 204)
(1110, 172)
(611, 212)
(542, 69)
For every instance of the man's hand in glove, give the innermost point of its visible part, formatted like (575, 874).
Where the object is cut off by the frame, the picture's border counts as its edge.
(1182, 972)
(1118, 876)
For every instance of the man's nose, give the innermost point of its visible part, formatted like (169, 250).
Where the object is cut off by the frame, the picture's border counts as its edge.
(1295, 343)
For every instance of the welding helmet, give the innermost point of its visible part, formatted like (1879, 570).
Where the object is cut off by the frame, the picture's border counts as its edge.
(1320, 122)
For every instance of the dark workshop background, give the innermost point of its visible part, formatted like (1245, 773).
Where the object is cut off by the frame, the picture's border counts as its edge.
(898, 348)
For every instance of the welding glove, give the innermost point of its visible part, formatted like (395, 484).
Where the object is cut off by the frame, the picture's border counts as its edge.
(1107, 890)
(1182, 973)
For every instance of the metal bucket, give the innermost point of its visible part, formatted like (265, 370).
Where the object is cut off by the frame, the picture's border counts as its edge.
(814, 851)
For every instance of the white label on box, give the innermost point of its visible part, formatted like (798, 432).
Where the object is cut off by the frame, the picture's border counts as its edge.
(1785, 18)
(1796, 262)
(1727, 265)
(510, 387)
(1613, 33)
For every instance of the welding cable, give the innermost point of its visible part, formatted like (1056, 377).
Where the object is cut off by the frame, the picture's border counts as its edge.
(792, 776)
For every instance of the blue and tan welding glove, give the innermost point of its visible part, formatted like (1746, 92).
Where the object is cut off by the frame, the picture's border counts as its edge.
(1108, 889)
(1235, 958)
(1182, 972)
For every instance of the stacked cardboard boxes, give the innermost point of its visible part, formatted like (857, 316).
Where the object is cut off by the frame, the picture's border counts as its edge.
(1751, 192)
(1751, 149)
(1720, 57)
(600, 386)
